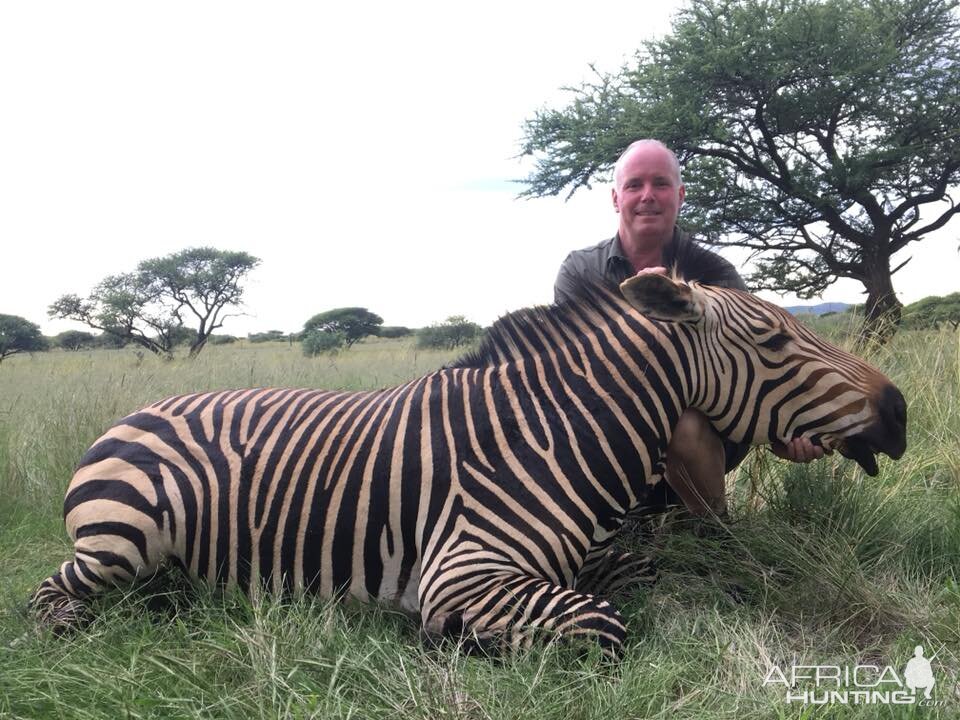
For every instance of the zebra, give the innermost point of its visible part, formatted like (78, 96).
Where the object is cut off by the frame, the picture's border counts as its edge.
(483, 498)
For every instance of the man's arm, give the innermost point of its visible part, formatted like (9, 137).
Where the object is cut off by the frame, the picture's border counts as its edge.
(695, 262)
(733, 279)
(565, 282)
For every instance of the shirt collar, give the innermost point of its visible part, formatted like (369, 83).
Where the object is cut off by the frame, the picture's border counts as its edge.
(617, 255)
(616, 251)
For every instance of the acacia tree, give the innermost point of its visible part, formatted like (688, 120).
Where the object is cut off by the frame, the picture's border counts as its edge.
(19, 335)
(202, 282)
(148, 306)
(812, 133)
(353, 323)
(125, 307)
(74, 340)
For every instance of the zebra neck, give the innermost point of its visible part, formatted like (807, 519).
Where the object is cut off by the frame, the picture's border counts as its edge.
(593, 382)
(582, 423)
(638, 378)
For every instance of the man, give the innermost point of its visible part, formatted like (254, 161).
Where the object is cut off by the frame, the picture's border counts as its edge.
(648, 193)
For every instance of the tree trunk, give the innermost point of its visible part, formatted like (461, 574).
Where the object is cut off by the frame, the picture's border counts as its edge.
(197, 346)
(148, 344)
(883, 309)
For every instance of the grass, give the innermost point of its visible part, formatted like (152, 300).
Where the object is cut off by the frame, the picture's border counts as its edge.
(819, 565)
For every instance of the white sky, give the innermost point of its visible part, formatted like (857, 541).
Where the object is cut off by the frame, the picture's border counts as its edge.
(363, 151)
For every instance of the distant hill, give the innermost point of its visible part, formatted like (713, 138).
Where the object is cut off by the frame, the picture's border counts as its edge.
(817, 309)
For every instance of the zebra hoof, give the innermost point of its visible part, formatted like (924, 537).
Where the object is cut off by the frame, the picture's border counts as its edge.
(63, 616)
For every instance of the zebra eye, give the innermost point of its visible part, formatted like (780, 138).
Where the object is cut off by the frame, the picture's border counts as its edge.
(775, 342)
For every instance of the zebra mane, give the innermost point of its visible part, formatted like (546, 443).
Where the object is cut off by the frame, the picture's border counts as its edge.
(502, 341)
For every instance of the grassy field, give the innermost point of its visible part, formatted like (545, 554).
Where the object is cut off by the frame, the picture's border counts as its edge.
(820, 565)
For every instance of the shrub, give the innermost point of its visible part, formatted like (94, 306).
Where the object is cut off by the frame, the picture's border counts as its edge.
(269, 336)
(316, 342)
(931, 312)
(453, 332)
(353, 323)
(182, 335)
(394, 331)
(109, 341)
(74, 340)
(221, 339)
(19, 335)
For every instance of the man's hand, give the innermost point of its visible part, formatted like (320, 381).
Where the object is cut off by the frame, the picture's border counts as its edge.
(799, 450)
(655, 270)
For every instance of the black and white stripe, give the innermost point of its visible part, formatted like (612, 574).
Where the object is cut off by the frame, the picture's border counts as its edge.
(485, 496)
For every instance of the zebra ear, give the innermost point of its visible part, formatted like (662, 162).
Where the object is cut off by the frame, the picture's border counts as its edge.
(660, 298)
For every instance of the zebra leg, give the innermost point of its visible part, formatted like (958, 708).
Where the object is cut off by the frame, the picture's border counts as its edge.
(59, 602)
(611, 570)
(512, 611)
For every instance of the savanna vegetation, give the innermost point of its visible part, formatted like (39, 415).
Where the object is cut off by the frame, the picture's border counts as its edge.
(339, 328)
(456, 331)
(166, 302)
(19, 335)
(818, 564)
(933, 311)
(819, 134)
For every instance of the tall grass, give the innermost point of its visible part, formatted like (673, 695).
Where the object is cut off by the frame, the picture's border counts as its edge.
(54, 405)
(818, 564)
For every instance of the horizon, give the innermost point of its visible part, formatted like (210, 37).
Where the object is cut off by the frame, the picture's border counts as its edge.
(368, 155)
(794, 309)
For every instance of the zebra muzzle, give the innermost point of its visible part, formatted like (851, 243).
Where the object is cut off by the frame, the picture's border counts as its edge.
(860, 451)
(887, 434)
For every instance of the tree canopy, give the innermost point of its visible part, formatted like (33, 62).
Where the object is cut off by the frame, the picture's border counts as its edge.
(932, 311)
(453, 332)
(823, 135)
(353, 323)
(19, 335)
(125, 307)
(201, 282)
(150, 305)
(74, 340)
(393, 331)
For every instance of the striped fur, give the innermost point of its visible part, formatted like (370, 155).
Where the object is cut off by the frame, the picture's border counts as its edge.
(483, 497)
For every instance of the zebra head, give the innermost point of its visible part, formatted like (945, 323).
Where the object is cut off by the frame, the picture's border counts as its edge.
(761, 376)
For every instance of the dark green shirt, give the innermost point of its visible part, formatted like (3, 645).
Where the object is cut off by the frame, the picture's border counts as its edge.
(607, 262)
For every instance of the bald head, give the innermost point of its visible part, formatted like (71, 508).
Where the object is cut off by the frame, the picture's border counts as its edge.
(639, 146)
(647, 194)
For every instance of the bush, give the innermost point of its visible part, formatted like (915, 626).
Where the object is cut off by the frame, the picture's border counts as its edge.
(19, 335)
(453, 332)
(182, 335)
(394, 331)
(931, 312)
(74, 340)
(317, 342)
(221, 339)
(269, 336)
(109, 341)
(353, 323)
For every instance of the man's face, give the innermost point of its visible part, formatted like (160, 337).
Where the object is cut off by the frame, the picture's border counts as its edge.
(648, 195)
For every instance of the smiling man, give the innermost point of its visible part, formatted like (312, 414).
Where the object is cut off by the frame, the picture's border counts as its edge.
(647, 194)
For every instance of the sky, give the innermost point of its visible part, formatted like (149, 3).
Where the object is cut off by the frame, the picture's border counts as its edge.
(365, 152)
